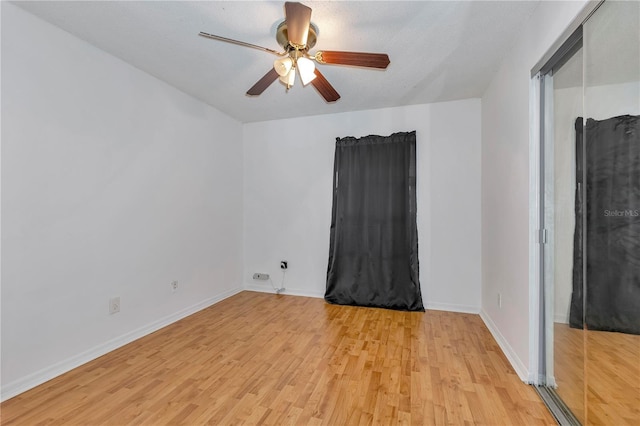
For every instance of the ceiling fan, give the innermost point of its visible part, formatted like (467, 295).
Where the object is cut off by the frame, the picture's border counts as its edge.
(297, 35)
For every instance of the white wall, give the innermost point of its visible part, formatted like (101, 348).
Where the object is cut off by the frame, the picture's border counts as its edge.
(567, 106)
(505, 183)
(288, 195)
(113, 184)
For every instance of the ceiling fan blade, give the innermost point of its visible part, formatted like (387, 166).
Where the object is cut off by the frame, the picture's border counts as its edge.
(298, 18)
(263, 83)
(324, 87)
(240, 43)
(358, 59)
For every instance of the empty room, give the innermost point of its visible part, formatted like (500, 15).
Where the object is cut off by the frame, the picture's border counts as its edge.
(328, 212)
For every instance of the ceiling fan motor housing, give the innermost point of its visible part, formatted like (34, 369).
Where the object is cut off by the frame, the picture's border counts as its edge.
(282, 37)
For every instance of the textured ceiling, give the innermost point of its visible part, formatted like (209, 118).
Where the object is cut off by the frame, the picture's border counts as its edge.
(439, 50)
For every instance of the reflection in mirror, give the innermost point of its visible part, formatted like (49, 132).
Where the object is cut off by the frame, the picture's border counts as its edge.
(612, 219)
(568, 343)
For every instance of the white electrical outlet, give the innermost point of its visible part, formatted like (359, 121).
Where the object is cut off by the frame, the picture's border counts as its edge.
(260, 276)
(499, 300)
(174, 286)
(114, 305)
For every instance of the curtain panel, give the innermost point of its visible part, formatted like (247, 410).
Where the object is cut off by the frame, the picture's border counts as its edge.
(373, 249)
(608, 297)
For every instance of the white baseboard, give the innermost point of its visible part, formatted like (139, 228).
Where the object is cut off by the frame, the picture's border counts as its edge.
(39, 377)
(266, 288)
(521, 370)
(465, 309)
(561, 318)
(288, 291)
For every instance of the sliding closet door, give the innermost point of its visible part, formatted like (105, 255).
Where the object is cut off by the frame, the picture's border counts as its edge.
(612, 213)
(590, 220)
(564, 369)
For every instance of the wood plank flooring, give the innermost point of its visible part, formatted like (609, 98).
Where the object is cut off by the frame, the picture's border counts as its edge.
(259, 358)
(569, 367)
(608, 383)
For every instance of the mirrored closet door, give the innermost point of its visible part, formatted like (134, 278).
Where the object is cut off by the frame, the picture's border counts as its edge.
(612, 213)
(563, 189)
(591, 219)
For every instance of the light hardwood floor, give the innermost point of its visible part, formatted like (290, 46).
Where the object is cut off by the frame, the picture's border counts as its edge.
(260, 358)
(610, 377)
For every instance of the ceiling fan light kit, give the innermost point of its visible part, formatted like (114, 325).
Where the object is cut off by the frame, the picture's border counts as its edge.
(283, 66)
(297, 35)
(289, 79)
(306, 68)
(286, 69)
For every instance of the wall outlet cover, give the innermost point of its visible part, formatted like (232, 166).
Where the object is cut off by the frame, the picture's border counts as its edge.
(114, 305)
(260, 276)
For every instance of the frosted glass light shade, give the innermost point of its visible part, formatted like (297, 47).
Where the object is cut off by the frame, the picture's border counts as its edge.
(306, 68)
(283, 66)
(289, 79)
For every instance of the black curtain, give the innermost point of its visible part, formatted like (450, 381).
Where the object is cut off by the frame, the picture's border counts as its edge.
(609, 166)
(373, 253)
